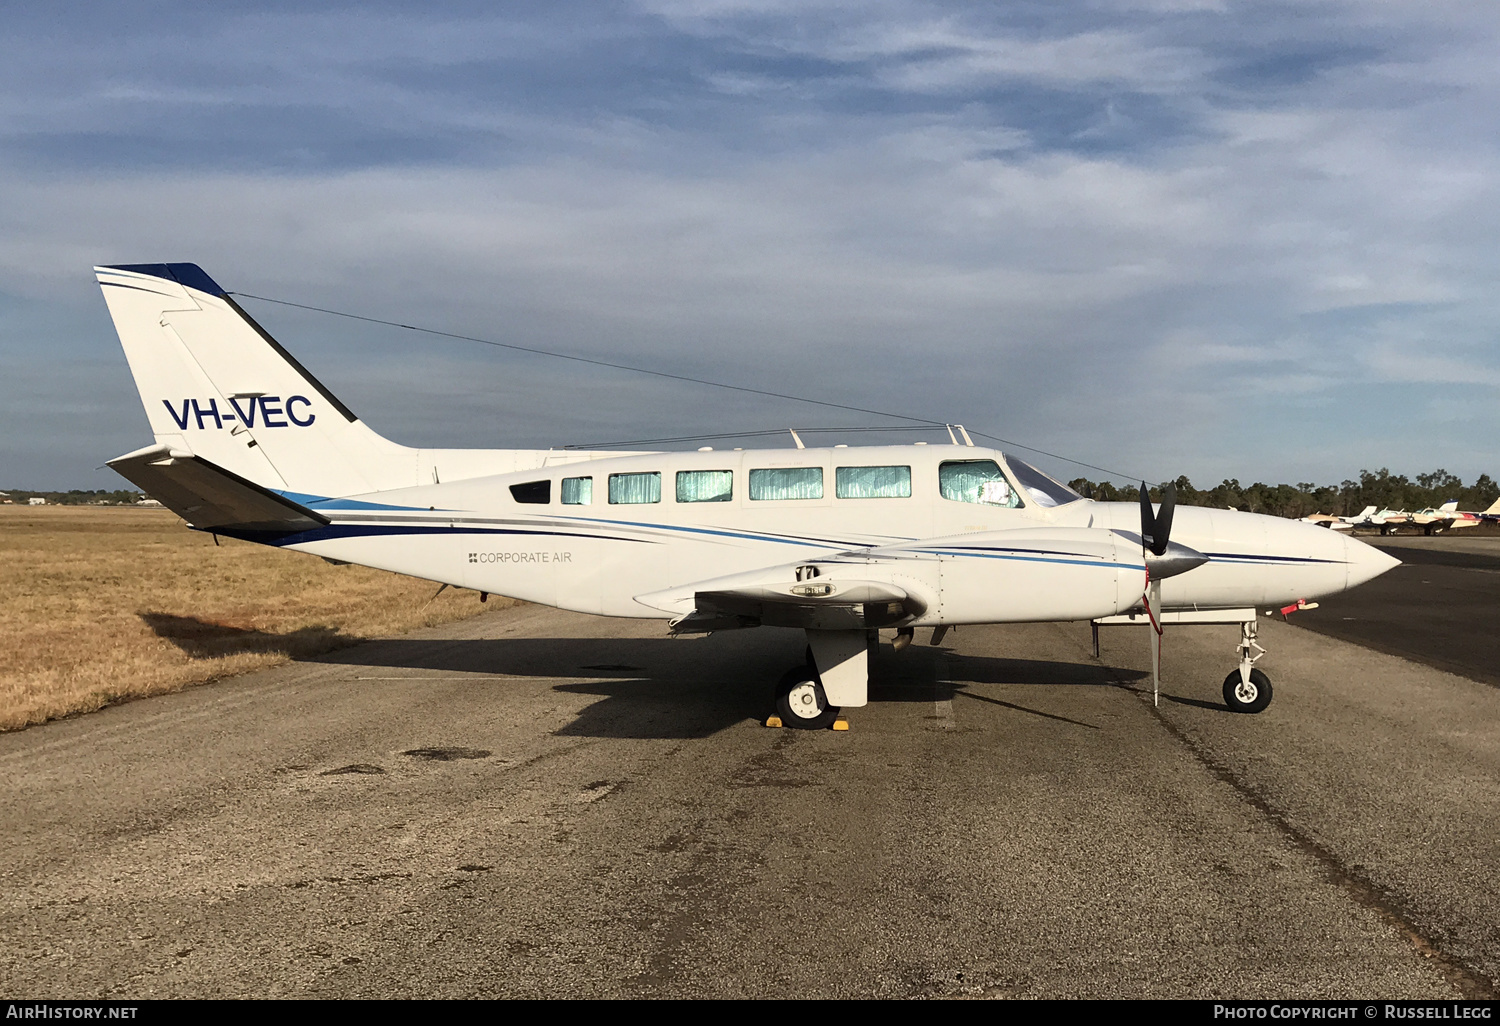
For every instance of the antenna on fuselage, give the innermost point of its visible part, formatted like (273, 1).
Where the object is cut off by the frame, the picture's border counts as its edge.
(961, 434)
(797, 438)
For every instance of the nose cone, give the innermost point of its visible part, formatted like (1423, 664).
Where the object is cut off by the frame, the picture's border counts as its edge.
(1365, 562)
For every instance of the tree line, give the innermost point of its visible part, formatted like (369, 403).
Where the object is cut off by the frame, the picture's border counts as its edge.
(76, 497)
(1378, 488)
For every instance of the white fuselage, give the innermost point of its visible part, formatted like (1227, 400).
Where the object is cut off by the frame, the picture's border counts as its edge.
(959, 559)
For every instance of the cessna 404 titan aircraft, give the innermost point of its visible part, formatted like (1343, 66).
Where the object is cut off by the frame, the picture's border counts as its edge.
(837, 541)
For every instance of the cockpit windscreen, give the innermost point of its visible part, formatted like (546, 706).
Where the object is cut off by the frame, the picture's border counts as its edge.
(1043, 489)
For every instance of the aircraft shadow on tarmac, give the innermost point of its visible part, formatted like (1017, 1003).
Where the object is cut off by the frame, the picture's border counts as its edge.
(655, 687)
(210, 639)
(694, 688)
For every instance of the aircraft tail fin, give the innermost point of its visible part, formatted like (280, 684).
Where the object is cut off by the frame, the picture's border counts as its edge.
(216, 385)
(1494, 508)
(1450, 506)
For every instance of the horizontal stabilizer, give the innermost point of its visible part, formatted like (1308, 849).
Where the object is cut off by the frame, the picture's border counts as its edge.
(211, 498)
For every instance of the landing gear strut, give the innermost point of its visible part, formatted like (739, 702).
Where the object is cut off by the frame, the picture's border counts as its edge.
(1247, 689)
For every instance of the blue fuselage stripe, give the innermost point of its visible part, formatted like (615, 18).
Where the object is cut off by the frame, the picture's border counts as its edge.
(337, 531)
(1241, 557)
(1033, 559)
(777, 538)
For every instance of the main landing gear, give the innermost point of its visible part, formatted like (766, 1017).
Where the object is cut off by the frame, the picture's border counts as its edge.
(1247, 689)
(801, 701)
(833, 677)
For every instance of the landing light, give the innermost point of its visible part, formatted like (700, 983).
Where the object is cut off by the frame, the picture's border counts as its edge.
(813, 590)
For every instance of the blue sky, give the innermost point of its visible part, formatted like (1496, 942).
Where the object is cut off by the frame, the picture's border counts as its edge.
(1213, 239)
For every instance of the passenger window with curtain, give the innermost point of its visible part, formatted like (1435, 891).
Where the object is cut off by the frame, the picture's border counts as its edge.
(977, 481)
(705, 485)
(539, 492)
(635, 488)
(577, 491)
(787, 483)
(872, 482)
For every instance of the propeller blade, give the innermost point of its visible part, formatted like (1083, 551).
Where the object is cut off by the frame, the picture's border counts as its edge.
(1156, 528)
(1148, 518)
(1163, 530)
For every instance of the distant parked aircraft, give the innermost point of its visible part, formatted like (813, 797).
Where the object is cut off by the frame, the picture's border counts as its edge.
(1389, 519)
(1331, 522)
(1444, 518)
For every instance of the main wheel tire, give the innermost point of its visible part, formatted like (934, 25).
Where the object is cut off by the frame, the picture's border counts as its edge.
(1247, 698)
(801, 703)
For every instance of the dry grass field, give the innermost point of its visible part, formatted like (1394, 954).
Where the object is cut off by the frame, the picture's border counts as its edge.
(101, 604)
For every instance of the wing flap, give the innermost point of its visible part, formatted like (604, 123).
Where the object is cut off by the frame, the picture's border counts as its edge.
(211, 498)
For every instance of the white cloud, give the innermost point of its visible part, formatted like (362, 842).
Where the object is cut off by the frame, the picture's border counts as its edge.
(1195, 298)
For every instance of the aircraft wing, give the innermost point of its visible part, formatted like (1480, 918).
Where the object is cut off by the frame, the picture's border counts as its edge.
(776, 597)
(211, 498)
(846, 605)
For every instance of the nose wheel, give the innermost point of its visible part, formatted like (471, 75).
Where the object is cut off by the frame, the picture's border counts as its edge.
(1249, 696)
(800, 701)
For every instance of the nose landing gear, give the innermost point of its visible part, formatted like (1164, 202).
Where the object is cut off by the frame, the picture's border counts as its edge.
(1247, 689)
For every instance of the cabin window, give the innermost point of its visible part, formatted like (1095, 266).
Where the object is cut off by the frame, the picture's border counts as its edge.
(705, 485)
(978, 481)
(539, 492)
(787, 483)
(872, 482)
(635, 488)
(577, 491)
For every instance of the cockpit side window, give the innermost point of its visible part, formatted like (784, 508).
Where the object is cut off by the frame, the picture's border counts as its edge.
(977, 481)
